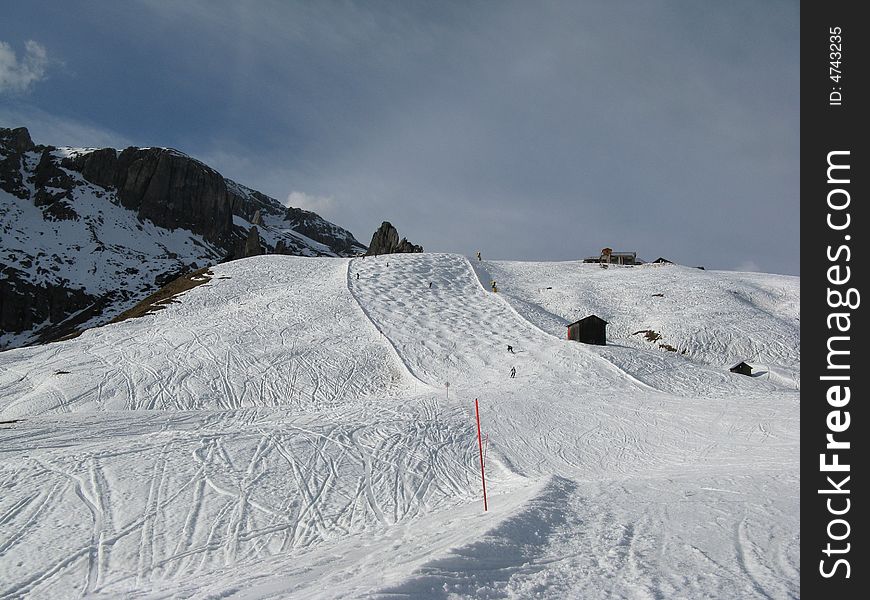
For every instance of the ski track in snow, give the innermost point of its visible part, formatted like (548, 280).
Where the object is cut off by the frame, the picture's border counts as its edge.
(285, 431)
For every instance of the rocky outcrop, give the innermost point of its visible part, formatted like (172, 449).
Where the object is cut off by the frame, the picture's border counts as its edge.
(252, 245)
(53, 186)
(23, 304)
(17, 140)
(166, 187)
(173, 190)
(13, 144)
(48, 311)
(386, 241)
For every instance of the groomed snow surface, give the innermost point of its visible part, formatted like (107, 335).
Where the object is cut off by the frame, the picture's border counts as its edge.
(285, 431)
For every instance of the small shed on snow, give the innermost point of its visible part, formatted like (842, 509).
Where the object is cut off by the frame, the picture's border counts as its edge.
(742, 368)
(610, 257)
(589, 330)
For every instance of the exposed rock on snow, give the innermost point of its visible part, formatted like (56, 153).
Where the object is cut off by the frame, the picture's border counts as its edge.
(168, 188)
(13, 144)
(386, 241)
(313, 226)
(252, 243)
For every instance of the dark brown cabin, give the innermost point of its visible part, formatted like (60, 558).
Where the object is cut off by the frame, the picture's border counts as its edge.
(589, 330)
(741, 368)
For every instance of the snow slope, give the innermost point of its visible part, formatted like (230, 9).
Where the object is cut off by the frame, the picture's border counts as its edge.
(718, 317)
(259, 334)
(285, 430)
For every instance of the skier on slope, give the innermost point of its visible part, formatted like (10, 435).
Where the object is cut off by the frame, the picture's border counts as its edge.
(513, 372)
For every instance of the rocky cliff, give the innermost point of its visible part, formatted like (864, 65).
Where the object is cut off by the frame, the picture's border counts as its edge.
(386, 241)
(88, 232)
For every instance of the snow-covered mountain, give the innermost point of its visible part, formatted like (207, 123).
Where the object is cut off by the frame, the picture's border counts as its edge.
(284, 430)
(88, 232)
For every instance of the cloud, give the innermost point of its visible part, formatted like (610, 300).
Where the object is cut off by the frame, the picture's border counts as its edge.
(322, 205)
(749, 266)
(16, 76)
(536, 132)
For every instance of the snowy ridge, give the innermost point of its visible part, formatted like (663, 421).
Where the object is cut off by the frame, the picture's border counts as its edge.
(271, 435)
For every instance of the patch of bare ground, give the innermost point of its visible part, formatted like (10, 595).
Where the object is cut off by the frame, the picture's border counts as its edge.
(166, 295)
(649, 334)
(654, 336)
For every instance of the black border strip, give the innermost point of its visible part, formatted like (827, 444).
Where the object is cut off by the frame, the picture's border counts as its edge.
(833, 269)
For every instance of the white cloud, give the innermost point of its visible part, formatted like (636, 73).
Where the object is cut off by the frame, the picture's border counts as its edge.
(18, 76)
(322, 205)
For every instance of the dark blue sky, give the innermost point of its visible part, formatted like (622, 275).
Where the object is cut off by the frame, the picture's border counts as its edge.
(526, 130)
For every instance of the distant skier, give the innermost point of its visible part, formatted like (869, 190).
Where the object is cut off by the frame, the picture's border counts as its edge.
(510, 349)
(494, 288)
(478, 256)
(430, 285)
(357, 275)
(513, 372)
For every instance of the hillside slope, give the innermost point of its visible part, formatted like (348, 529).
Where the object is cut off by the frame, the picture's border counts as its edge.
(716, 318)
(269, 437)
(86, 232)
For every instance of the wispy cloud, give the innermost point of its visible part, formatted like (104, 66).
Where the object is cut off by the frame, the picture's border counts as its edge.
(323, 205)
(18, 76)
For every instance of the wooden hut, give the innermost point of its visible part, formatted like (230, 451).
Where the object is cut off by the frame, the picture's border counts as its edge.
(589, 330)
(610, 257)
(742, 368)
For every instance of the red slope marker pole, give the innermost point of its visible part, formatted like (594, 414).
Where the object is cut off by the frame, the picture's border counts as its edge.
(480, 447)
